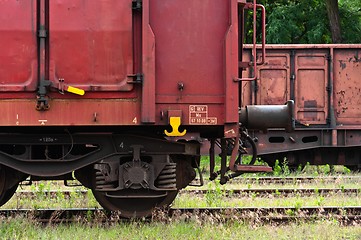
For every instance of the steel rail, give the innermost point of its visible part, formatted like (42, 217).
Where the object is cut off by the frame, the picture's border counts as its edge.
(227, 193)
(275, 191)
(52, 193)
(300, 179)
(345, 214)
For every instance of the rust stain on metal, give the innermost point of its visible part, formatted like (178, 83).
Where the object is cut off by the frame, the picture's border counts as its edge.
(342, 64)
(310, 104)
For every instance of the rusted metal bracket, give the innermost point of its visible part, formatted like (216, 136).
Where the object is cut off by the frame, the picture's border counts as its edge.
(239, 168)
(42, 33)
(136, 152)
(137, 78)
(137, 5)
(42, 98)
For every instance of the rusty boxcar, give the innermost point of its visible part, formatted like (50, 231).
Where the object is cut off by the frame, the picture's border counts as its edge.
(325, 83)
(98, 91)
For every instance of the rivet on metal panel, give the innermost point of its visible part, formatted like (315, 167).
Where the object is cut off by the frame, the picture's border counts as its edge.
(180, 86)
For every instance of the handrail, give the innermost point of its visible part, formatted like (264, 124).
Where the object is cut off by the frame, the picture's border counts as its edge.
(263, 16)
(256, 6)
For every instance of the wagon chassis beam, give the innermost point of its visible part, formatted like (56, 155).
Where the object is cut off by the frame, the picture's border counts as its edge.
(108, 146)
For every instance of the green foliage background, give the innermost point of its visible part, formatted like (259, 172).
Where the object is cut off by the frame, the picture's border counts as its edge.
(306, 21)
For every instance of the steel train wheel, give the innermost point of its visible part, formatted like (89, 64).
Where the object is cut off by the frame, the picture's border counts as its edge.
(5, 194)
(134, 207)
(2, 184)
(8, 194)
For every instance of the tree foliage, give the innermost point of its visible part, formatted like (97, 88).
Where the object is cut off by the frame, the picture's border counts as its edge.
(350, 14)
(306, 21)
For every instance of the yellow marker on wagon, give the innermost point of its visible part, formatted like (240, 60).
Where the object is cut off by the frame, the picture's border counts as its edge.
(175, 122)
(75, 90)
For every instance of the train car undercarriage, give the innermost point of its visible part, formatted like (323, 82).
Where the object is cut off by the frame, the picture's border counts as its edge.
(129, 173)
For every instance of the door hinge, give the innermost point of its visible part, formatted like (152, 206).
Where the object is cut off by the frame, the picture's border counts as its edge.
(293, 77)
(42, 33)
(42, 98)
(329, 57)
(137, 5)
(137, 78)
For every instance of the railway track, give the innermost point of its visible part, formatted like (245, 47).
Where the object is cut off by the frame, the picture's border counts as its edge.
(281, 192)
(345, 215)
(300, 179)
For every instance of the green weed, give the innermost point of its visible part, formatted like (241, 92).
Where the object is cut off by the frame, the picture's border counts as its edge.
(215, 194)
(277, 169)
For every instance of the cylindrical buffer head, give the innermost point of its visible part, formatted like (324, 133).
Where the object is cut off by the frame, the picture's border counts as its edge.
(263, 117)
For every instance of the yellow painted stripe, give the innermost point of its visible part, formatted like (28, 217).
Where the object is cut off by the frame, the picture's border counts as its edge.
(75, 90)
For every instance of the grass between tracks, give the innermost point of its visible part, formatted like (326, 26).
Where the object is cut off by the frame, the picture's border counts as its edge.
(211, 199)
(21, 228)
(193, 228)
(216, 197)
(281, 168)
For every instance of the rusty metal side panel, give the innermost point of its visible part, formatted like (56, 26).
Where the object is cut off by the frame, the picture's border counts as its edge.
(91, 44)
(273, 82)
(328, 143)
(347, 85)
(297, 72)
(274, 75)
(18, 46)
(311, 68)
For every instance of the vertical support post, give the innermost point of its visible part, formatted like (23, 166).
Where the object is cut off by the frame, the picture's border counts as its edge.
(212, 161)
(331, 119)
(231, 65)
(148, 66)
(43, 24)
(224, 179)
(292, 74)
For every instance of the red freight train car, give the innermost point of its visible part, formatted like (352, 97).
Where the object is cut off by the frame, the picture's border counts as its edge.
(98, 91)
(324, 81)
